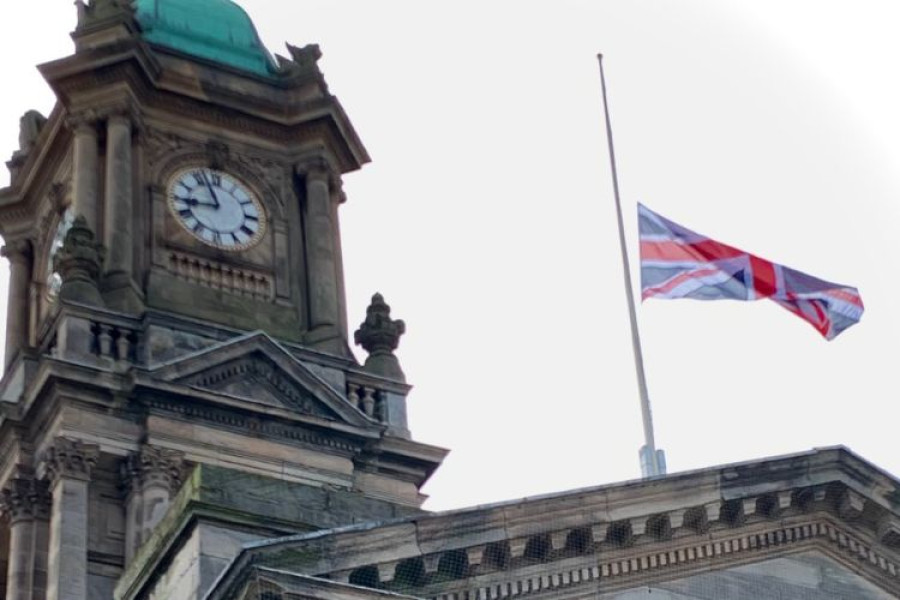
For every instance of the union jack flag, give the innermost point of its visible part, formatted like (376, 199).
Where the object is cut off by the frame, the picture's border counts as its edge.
(679, 263)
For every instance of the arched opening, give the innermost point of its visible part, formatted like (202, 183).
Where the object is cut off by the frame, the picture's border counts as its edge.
(454, 564)
(366, 577)
(410, 573)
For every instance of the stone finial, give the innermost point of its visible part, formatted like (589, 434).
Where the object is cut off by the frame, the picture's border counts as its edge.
(379, 335)
(79, 263)
(70, 458)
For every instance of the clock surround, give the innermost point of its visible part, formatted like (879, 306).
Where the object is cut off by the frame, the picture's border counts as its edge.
(216, 208)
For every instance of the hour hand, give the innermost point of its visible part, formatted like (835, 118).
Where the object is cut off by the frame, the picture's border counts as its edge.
(197, 202)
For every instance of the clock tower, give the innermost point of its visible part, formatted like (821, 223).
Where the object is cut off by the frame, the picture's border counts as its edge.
(178, 377)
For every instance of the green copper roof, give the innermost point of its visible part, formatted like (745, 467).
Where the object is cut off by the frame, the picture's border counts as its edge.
(217, 30)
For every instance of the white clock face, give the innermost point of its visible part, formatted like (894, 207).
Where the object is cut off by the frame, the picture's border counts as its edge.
(216, 208)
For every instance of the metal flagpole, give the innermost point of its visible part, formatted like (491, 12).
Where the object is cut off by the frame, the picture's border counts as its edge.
(653, 461)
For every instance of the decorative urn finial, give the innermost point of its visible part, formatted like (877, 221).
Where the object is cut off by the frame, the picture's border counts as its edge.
(78, 263)
(379, 335)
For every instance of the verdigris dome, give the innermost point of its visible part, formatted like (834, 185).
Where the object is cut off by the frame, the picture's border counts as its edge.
(217, 30)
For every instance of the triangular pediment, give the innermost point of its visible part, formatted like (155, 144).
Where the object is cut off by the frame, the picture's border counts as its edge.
(258, 370)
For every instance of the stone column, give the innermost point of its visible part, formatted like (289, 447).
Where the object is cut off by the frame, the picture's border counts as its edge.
(119, 191)
(119, 215)
(320, 251)
(68, 465)
(20, 259)
(85, 171)
(26, 504)
(152, 477)
(338, 197)
(17, 509)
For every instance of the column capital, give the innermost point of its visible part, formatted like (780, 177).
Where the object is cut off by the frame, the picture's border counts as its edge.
(68, 458)
(83, 122)
(17, 251)
(317, 168)
(25, 498)
(123, 113)
(152, 465)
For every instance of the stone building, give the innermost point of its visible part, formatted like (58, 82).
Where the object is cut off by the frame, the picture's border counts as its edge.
(182, 417)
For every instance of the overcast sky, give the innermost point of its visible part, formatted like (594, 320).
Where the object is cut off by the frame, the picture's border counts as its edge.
(487, 220)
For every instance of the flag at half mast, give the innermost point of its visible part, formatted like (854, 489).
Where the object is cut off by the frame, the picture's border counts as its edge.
(679, 263)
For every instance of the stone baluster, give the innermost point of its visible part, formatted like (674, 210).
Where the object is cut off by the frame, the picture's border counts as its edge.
(123, 345)
(68, 464)
(152, 477)
(353, 395)
(85, 169)
(324, 290)
(26, 504)
(119, 214)
(368, 401)
(20, 266)
(105, 339)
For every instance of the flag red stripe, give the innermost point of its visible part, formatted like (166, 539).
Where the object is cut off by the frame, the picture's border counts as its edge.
(763, 277)
(703, 251)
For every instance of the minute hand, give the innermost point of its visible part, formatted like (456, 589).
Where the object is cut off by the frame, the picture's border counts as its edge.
(210, 189)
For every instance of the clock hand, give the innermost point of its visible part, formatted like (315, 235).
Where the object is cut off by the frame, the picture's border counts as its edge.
(195, 202)
(210, 189)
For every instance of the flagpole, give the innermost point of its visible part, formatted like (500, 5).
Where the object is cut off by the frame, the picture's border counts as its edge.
(653, 462)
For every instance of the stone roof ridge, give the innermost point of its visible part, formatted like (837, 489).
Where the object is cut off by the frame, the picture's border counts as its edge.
(449, 513)
(827, 499)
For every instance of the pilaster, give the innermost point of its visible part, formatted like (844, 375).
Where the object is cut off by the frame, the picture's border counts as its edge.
(119, 290)
(20, 257)
(68, 465)
(85, 168)
(151, 478)
(26, 503)
(322, 258)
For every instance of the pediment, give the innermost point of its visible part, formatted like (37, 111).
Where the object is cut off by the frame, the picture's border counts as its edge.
(258, 370)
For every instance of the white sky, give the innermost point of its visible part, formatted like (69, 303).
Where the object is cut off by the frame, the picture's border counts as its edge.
(487, 218)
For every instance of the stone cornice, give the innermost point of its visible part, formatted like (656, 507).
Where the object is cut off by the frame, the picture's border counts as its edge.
(272, 109)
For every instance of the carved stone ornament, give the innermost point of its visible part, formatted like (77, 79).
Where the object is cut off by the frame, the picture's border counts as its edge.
(154, 466)
(379, 335)
(102, 10)
(67, 458)
(30, 126)
(79, 264)
(25, 498)
(305, 57)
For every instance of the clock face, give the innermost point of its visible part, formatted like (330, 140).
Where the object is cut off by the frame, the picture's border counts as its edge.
(216, 208)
